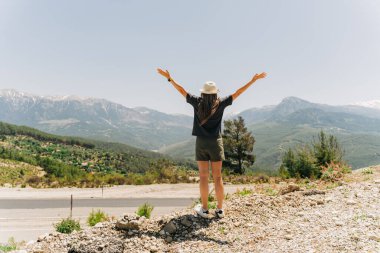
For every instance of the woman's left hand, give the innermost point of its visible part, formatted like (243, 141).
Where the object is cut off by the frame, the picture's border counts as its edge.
(259, 76)
(165, 74)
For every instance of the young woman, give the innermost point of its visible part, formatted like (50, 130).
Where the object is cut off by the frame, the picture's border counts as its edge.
(208, 114)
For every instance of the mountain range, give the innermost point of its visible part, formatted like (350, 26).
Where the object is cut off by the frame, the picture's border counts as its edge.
(94, 118)
(293, 121)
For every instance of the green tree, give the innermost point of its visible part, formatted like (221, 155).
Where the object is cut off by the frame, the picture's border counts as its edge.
(327, 149)
(238, 145)
(288, 163)
(306, 166)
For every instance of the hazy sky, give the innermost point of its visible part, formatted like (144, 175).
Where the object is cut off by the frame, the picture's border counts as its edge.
(325, 51)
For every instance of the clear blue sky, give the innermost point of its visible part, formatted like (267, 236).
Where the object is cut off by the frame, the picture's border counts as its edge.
(323, 51)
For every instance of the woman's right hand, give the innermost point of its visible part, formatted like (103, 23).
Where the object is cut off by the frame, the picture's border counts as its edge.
(165, 74)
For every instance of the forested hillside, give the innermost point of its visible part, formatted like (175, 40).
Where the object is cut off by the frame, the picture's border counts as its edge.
(77, 161)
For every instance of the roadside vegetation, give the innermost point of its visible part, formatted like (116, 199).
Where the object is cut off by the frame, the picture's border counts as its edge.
(97, 216)
(145, 210)
(67, 225)
(11, 245)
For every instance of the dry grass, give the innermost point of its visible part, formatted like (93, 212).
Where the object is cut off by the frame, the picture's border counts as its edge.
(17, 173)
(274, 184)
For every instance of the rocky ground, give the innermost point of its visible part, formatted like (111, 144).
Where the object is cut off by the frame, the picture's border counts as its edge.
(284, 218)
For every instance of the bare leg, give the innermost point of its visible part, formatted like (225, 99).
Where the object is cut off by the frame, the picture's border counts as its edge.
(218, 182)
(203, 182)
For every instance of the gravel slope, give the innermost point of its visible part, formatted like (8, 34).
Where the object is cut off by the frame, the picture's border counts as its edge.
(343, 219)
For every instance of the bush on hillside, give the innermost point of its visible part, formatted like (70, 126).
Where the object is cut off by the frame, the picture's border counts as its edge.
(334, 171)
(323, 157)
(367, 171)
(165, 171)
(116, 179)
(327, 149)
(34, 180)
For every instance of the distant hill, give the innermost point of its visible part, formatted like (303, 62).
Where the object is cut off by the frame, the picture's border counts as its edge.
(94, 118)
(294, 121)
(291, 105)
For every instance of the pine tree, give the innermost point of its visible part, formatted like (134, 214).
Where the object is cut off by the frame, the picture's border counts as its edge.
(238, 145)
(327, 149)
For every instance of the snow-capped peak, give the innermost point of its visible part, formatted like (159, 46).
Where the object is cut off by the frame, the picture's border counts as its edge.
(375, 104)
(14, 93)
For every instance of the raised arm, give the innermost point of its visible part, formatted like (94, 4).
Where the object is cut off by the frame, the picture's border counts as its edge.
(166, 74)
(245, 87)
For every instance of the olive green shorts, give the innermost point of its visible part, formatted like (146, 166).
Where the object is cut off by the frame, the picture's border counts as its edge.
(209, 149)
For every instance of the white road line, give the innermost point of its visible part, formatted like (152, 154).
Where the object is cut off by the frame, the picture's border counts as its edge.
(34, 218)
(18, 230)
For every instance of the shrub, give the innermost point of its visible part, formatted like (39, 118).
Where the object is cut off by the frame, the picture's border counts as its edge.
(271, 192)
(300, 163)
(116, 179)
(67, 226)
(211, 196)
(10, 246)
(327, 149)
(96, 217)
(211, 200)
(283, 172)
(315, 160)
(145, 210)
(34, 180)
(211, 205)
(262, 179)
(244, 192)
(334, 171)
(305, 165)
(367, 171)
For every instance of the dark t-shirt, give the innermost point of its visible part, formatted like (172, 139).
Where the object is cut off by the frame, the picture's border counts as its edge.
(212, 128)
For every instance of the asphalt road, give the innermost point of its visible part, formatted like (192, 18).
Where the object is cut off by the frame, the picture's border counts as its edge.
(91, 202)
(26, 219)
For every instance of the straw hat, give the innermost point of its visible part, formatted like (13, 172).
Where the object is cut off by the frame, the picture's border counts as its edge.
(209, 88)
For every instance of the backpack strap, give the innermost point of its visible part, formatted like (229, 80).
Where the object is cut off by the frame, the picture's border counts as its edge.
(209, 116)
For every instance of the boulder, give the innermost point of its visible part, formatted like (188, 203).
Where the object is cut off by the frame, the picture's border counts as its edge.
(129, 222)
(170, 227)
(186, 222)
